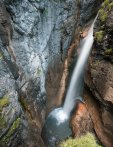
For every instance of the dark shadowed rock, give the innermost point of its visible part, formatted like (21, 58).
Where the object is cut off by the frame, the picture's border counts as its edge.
(99, 77)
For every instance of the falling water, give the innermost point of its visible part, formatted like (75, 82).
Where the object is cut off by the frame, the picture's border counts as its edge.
(56, 127)
(74, 90)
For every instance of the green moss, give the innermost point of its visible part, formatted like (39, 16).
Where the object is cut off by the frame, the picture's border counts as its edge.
(101, 11)
(11, 131)
(15, 125)
(99, 36)
(110, 6)
(108, 51)
(103, 17)
(105, 9)
(84, 141)
(4, 101)
(2, 122)
(105, 3)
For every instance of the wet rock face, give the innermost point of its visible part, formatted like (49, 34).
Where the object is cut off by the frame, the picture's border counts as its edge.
(42, 33)
(89, 8)
(99, 79)
(81, 121)
(5, 25)
(101, 118)
(100, 63)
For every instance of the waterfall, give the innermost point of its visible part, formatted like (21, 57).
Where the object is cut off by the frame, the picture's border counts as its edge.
(56, 126)
(74, 89)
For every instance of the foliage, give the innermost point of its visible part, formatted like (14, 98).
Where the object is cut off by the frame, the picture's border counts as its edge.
(105, 3)
(101, 11)
(104, 17)
(99, 36)
(110, 6)
(105, 9)
(85, 141)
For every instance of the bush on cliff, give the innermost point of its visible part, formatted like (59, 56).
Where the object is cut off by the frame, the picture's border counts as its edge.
(87, 140)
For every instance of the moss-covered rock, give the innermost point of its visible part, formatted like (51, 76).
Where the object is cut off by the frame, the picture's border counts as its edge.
(4, 101)
(104, 31)
(108, 51)
(106, 7)
(105, 3)
(11, 131)
(84, 141)
(110, 6)
(99, 36)
(2, 122)
(104, 17)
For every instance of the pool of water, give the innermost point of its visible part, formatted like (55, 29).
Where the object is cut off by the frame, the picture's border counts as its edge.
(56, 127)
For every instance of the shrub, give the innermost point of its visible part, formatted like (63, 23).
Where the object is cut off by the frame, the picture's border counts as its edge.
(87, 140)
(99, 36)
(110, 6)
(103, 17)
(105, 9)
(105, 3)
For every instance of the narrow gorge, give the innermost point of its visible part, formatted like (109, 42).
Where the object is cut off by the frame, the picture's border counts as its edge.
(40, 41)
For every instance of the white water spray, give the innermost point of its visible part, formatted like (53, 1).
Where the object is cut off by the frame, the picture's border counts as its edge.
(74, 88)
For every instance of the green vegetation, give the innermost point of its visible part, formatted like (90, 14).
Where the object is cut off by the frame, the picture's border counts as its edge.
(105, 9)
(2, 122)
(108, 51)
(104, 17)
(99, 36)
(110, 6)
(11, 131)
(101, 11)
(104, 21)
(85, 141)
(4, 102)
(105, 3)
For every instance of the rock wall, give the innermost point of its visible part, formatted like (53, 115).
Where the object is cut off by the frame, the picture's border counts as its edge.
(99, 77)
